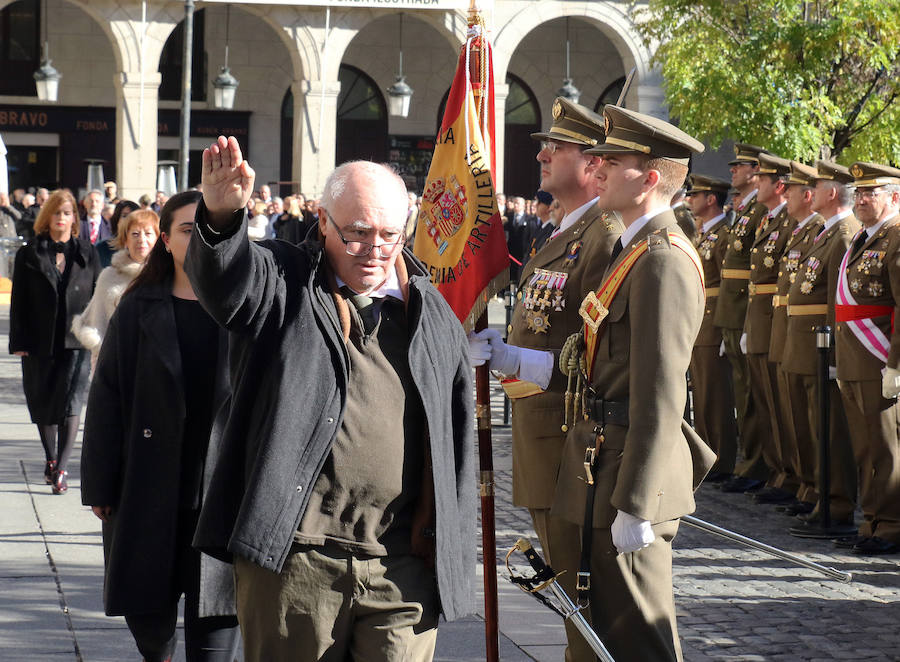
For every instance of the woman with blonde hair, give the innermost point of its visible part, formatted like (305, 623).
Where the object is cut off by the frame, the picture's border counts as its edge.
(136, 235)
(53, 280)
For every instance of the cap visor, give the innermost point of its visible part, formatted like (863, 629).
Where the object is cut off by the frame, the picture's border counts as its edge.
(608, 148)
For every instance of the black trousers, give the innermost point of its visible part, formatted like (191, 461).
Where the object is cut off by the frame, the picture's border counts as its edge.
(207, 639)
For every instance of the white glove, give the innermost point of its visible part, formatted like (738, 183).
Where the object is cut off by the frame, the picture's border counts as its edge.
(832, 373)
(502, 357)
(630, 533)
(743, 343)
(722, 349)
(890, 383)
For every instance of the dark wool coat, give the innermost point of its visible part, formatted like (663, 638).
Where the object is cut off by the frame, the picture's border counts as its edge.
(289, 371)
(131, 457)
(32, 313)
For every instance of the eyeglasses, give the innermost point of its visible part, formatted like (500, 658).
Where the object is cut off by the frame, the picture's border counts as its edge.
(363, 248)
(550, 146)
(867, 193)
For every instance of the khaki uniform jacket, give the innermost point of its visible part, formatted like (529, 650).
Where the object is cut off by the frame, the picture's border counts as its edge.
(873, 275)
(795, 251)
(712, 245)
(765, 255)
(815, 285)
(731, 307)
(685, 220)
(581, 252)
(649, 468)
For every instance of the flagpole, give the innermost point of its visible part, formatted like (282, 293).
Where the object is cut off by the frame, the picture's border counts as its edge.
(477, 74)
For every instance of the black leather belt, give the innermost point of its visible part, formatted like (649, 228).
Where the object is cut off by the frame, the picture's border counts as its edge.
(605, 412)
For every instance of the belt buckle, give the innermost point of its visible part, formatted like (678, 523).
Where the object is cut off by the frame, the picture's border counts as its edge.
(583, 587)
(590, 455)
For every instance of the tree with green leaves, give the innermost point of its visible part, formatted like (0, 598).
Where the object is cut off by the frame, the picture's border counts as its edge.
(805, 79)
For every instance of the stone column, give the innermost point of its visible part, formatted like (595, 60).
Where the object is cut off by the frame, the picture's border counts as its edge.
(136, 132)
(501, 92)
(315, 124)
(648, 97)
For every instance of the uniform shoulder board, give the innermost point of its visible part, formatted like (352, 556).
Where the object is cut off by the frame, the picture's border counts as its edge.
(658, 240)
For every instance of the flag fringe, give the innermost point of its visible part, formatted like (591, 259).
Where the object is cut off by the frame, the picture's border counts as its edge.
(495, 286)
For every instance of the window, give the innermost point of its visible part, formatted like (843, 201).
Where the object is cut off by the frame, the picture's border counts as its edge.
(20, 48)
(610, 94)
(172, 57)
(359, 98)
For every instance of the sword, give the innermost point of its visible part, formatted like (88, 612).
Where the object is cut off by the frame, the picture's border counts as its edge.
(544, 577)
(845, 577)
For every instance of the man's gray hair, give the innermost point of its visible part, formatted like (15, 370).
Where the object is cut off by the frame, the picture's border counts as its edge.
(336, 183)
(844, 193)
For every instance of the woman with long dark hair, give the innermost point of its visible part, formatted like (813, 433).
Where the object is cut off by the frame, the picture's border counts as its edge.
(53, 280)
(159, 382)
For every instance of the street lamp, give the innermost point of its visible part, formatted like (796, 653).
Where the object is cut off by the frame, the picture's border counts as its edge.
(46, 78)
(94, 175)
(568, 89)
(225, 85)
(399, 94)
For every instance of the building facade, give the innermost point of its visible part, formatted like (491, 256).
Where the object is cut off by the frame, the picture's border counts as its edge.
(313, 79)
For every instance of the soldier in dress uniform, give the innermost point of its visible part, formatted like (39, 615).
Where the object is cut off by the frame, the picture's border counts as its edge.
(799, 197)
(768, 245)
(683, 213)
(551, 286)
(731, 311)
(868, 344)
(810, 305)
(642, 458)
(710, 371)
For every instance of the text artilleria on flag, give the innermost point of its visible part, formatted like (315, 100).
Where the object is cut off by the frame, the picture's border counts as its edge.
(459, 235)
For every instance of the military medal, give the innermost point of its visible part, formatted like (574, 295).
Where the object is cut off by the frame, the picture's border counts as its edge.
(537, 321)
(738, 245)
(876, 289)
(768, 261)
(855, 286)
(806, 287)
(573, 253)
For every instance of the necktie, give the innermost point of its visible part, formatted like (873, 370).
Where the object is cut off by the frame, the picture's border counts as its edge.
(617, 248)
(367, 307)
(860, 241)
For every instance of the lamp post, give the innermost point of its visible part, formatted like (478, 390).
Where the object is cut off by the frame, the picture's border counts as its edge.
(46, 78)
(568, 89)
(225, 84)
(165, 177)
(94, 175)
(186, 64)
(399, 94)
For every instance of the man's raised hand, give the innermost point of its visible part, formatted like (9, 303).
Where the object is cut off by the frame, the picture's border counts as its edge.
(227, 179)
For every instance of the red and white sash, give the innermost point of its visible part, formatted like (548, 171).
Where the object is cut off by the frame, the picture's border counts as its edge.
(861, 324)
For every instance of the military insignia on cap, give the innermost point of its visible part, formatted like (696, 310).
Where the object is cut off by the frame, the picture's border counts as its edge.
(606, 123)
(856, 171)
(557, 110)
(737, 150)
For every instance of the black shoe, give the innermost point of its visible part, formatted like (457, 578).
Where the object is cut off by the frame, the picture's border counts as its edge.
(49, 470)
(60, 485)
(799, 508)
(874, 546)
(772, 495)
(849, 542)
(717, 477)
(740, 484)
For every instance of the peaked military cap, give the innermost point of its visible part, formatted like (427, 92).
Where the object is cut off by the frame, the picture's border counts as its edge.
(631, 132)
(746, 153)
(830, 171)
(867, 174)
(802, 174)
(705, 184)
(769, 164)
(573, 123)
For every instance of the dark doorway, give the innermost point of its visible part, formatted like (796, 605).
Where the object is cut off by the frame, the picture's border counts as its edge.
(362, 125)
(33, 167)
(521, 174)
(286, 157)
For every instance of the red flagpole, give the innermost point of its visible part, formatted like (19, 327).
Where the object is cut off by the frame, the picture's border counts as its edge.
(479, 61)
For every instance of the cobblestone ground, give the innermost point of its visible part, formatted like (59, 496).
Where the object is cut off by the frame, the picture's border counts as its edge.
(739, 604)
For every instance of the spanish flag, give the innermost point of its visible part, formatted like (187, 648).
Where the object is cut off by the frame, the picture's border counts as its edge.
(459, 235)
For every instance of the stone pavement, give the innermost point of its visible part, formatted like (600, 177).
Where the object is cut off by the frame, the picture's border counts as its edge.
(733, 603)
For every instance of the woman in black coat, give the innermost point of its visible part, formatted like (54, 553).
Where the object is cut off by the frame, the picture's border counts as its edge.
(53, 280)
(160, 380)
